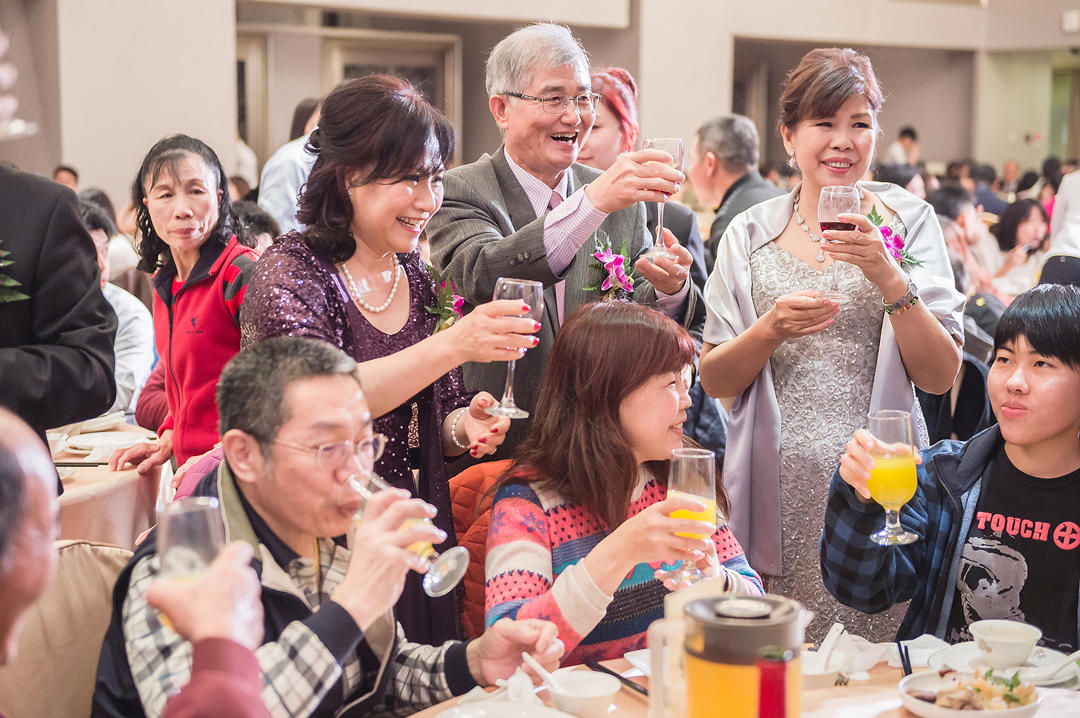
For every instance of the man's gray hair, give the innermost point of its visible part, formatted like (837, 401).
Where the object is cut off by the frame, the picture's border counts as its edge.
(541, 46)
(734, 141)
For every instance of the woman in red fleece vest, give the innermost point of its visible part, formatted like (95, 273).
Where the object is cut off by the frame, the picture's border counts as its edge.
(201, 270)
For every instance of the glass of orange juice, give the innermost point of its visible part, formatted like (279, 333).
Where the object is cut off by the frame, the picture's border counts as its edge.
(190, 535)
(445, 569)
(893, 479)
(692, 473)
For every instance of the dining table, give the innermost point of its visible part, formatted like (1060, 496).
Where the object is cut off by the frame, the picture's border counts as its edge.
(104, 506)
(876, 697)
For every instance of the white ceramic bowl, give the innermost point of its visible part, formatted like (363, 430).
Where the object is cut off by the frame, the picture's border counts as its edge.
(586, 694)
(1003, 644)
(931, 681)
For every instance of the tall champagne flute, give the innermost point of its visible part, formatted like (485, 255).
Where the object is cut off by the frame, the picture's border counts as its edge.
(833, 201)
(692, 474)
(190, 535)
(445, 569)
(893, 479)
(532, 294)
(674, 147)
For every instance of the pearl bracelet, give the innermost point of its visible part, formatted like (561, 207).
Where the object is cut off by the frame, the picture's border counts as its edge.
(453, 429)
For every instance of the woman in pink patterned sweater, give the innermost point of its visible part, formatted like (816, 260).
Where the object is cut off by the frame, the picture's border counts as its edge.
(580, 523)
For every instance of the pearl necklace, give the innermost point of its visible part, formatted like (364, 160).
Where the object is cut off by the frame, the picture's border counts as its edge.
(356, 294)
(813, 237)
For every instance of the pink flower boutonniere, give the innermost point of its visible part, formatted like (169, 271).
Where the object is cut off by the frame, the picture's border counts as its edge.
(893, 242)
(448, 304)
(612, 267)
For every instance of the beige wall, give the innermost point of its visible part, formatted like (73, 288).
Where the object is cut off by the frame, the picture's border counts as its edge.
(600, 13)
(1028, 25)
(108, 79)
(687, 48)
(132, 72)
(1012, 107)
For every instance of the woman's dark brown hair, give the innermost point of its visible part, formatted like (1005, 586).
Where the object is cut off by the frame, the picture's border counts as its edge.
(823, 81)
(380, 126)
(576, 445)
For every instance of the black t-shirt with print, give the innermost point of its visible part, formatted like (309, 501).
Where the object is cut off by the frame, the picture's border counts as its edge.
(1021, 560)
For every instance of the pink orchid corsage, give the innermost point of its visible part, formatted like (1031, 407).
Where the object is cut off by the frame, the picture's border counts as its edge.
(612, 267)
(893, 242)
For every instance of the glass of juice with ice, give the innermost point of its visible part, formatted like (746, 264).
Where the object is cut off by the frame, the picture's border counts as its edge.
(893, 479)
(692, 473)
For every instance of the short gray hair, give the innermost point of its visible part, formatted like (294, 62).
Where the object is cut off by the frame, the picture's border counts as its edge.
(251, 391)
(733, 139)
(541, 46)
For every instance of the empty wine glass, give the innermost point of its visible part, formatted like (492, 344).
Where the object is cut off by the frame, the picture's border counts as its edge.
(445, 569)
(833, 201)
(674, 147)
(532, 294)
(691, 474)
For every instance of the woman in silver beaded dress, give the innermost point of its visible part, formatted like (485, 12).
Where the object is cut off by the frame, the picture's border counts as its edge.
(355, 278)
(805, 371)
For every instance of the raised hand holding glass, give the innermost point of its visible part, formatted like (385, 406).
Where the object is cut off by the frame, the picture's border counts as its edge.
(531, 293)
(893, 479)
(833, 201)
(674, 147)
(692, 473)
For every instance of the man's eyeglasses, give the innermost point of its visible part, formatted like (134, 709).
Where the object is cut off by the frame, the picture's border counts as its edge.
(557, 104)
(332, 456)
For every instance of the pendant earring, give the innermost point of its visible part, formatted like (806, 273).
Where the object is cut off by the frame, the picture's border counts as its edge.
(791, 160)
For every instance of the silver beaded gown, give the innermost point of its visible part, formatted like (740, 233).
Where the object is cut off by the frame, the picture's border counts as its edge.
(822, 383)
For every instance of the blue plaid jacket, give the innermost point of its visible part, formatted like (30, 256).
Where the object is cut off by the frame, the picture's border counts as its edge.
(871, 578)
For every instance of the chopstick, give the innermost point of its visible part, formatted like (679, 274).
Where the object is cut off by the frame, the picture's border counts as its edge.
(595, 665)
(905, 658)
(60, 464)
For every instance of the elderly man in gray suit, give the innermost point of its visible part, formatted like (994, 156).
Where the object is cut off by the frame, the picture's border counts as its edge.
(531, 212)
(723, 170)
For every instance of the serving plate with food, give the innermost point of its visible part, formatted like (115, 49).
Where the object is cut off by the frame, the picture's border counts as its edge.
(949, 694)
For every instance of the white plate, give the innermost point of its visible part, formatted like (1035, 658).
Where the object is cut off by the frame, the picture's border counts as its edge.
(105, 439)
(965, 657)
(640, 660)
(931, 681)
(500, 709)
(103, 423)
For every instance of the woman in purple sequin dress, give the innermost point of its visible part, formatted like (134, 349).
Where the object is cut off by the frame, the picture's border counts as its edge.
(355, 279)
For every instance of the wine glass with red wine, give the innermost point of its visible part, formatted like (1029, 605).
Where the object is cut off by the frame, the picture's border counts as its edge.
(834, 201)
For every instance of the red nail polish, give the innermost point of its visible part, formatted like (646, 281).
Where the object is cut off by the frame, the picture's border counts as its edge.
(495, 430)
(524, 307)
(473, 452)
(482, 440)
(536, 340)
(536, 326)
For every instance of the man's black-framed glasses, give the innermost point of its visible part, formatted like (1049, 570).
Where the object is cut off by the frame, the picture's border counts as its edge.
(557, 104)
(331, 456)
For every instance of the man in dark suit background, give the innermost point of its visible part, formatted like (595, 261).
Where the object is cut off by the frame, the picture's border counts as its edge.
(530, 211)
(723, 170)
(56, 345)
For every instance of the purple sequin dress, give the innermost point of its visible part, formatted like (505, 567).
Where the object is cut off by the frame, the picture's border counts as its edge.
(295, 292)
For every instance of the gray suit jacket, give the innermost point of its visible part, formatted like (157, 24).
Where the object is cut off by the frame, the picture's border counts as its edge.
(747, 191)
(486, 229)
